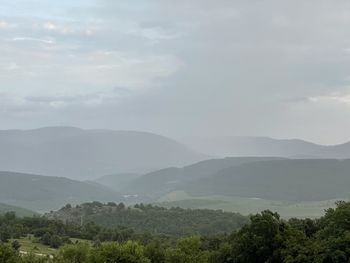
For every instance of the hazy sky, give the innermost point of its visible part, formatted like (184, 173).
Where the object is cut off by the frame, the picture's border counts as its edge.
(178, 68)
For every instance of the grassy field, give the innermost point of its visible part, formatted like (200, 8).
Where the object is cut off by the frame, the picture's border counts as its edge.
(247, 206)
(29, 244)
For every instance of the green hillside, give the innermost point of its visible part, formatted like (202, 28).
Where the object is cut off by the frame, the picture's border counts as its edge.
(153, 185)
(283, 180)
(45, 193)
(4, 208)
(246, 205)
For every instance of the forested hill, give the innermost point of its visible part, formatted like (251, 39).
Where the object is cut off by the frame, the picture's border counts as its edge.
(45, 193)
(152, 219)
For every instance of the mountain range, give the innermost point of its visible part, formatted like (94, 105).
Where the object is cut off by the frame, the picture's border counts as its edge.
(264, 146)
(106, 165)
(155, 184)
(284, 180)
(87, 154)
(291, 180)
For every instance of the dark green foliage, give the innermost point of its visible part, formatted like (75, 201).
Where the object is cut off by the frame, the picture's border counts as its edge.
(155, 251)
(5, 233)
(129, 252)
(334, 235)
(260, 240)
(187, 250)
(15, 245)
(8, 255)
(153, 219)
(77, 253)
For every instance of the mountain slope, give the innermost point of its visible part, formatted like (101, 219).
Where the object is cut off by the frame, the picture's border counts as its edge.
(44, 193)
(21, 212)
(264, 146)
(117, 181)
(337, 151)
(258, 146)
(87, 154)
(155, 184)
(289, 180)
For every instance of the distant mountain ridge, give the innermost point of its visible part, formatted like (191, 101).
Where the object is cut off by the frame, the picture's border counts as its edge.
(21, 212)
(87, 154)
(270, 178)
(264, 146)
(45, 193)
(155, 184)
(117, 181)
(286, 180)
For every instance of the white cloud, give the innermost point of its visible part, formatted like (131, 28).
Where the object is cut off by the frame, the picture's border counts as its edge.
(199, 66)
(332, 98)
(44, 72)
(4, 24)
(41, 40)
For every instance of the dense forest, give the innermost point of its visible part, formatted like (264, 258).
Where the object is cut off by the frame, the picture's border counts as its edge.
(266, 238)
(153, 219)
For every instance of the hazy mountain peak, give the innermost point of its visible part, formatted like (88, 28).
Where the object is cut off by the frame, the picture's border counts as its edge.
(266, 146)
(86, 154)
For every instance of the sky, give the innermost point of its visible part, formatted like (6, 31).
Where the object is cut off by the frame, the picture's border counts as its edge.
(179, 68)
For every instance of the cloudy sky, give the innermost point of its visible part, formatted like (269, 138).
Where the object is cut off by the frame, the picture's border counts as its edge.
(178, 68)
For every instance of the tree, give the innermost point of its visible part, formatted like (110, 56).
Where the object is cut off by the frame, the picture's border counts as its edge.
(10, 216)
(8, 255)
(261, 240)
(5, 233)
(55, 241)
(188, 250)
(155, 252)
(333, 239)
(77, 253)
(129, 252)
(15, 245)
(297, 247)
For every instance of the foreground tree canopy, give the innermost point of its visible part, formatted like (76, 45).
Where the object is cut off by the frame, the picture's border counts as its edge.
(266, 238)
